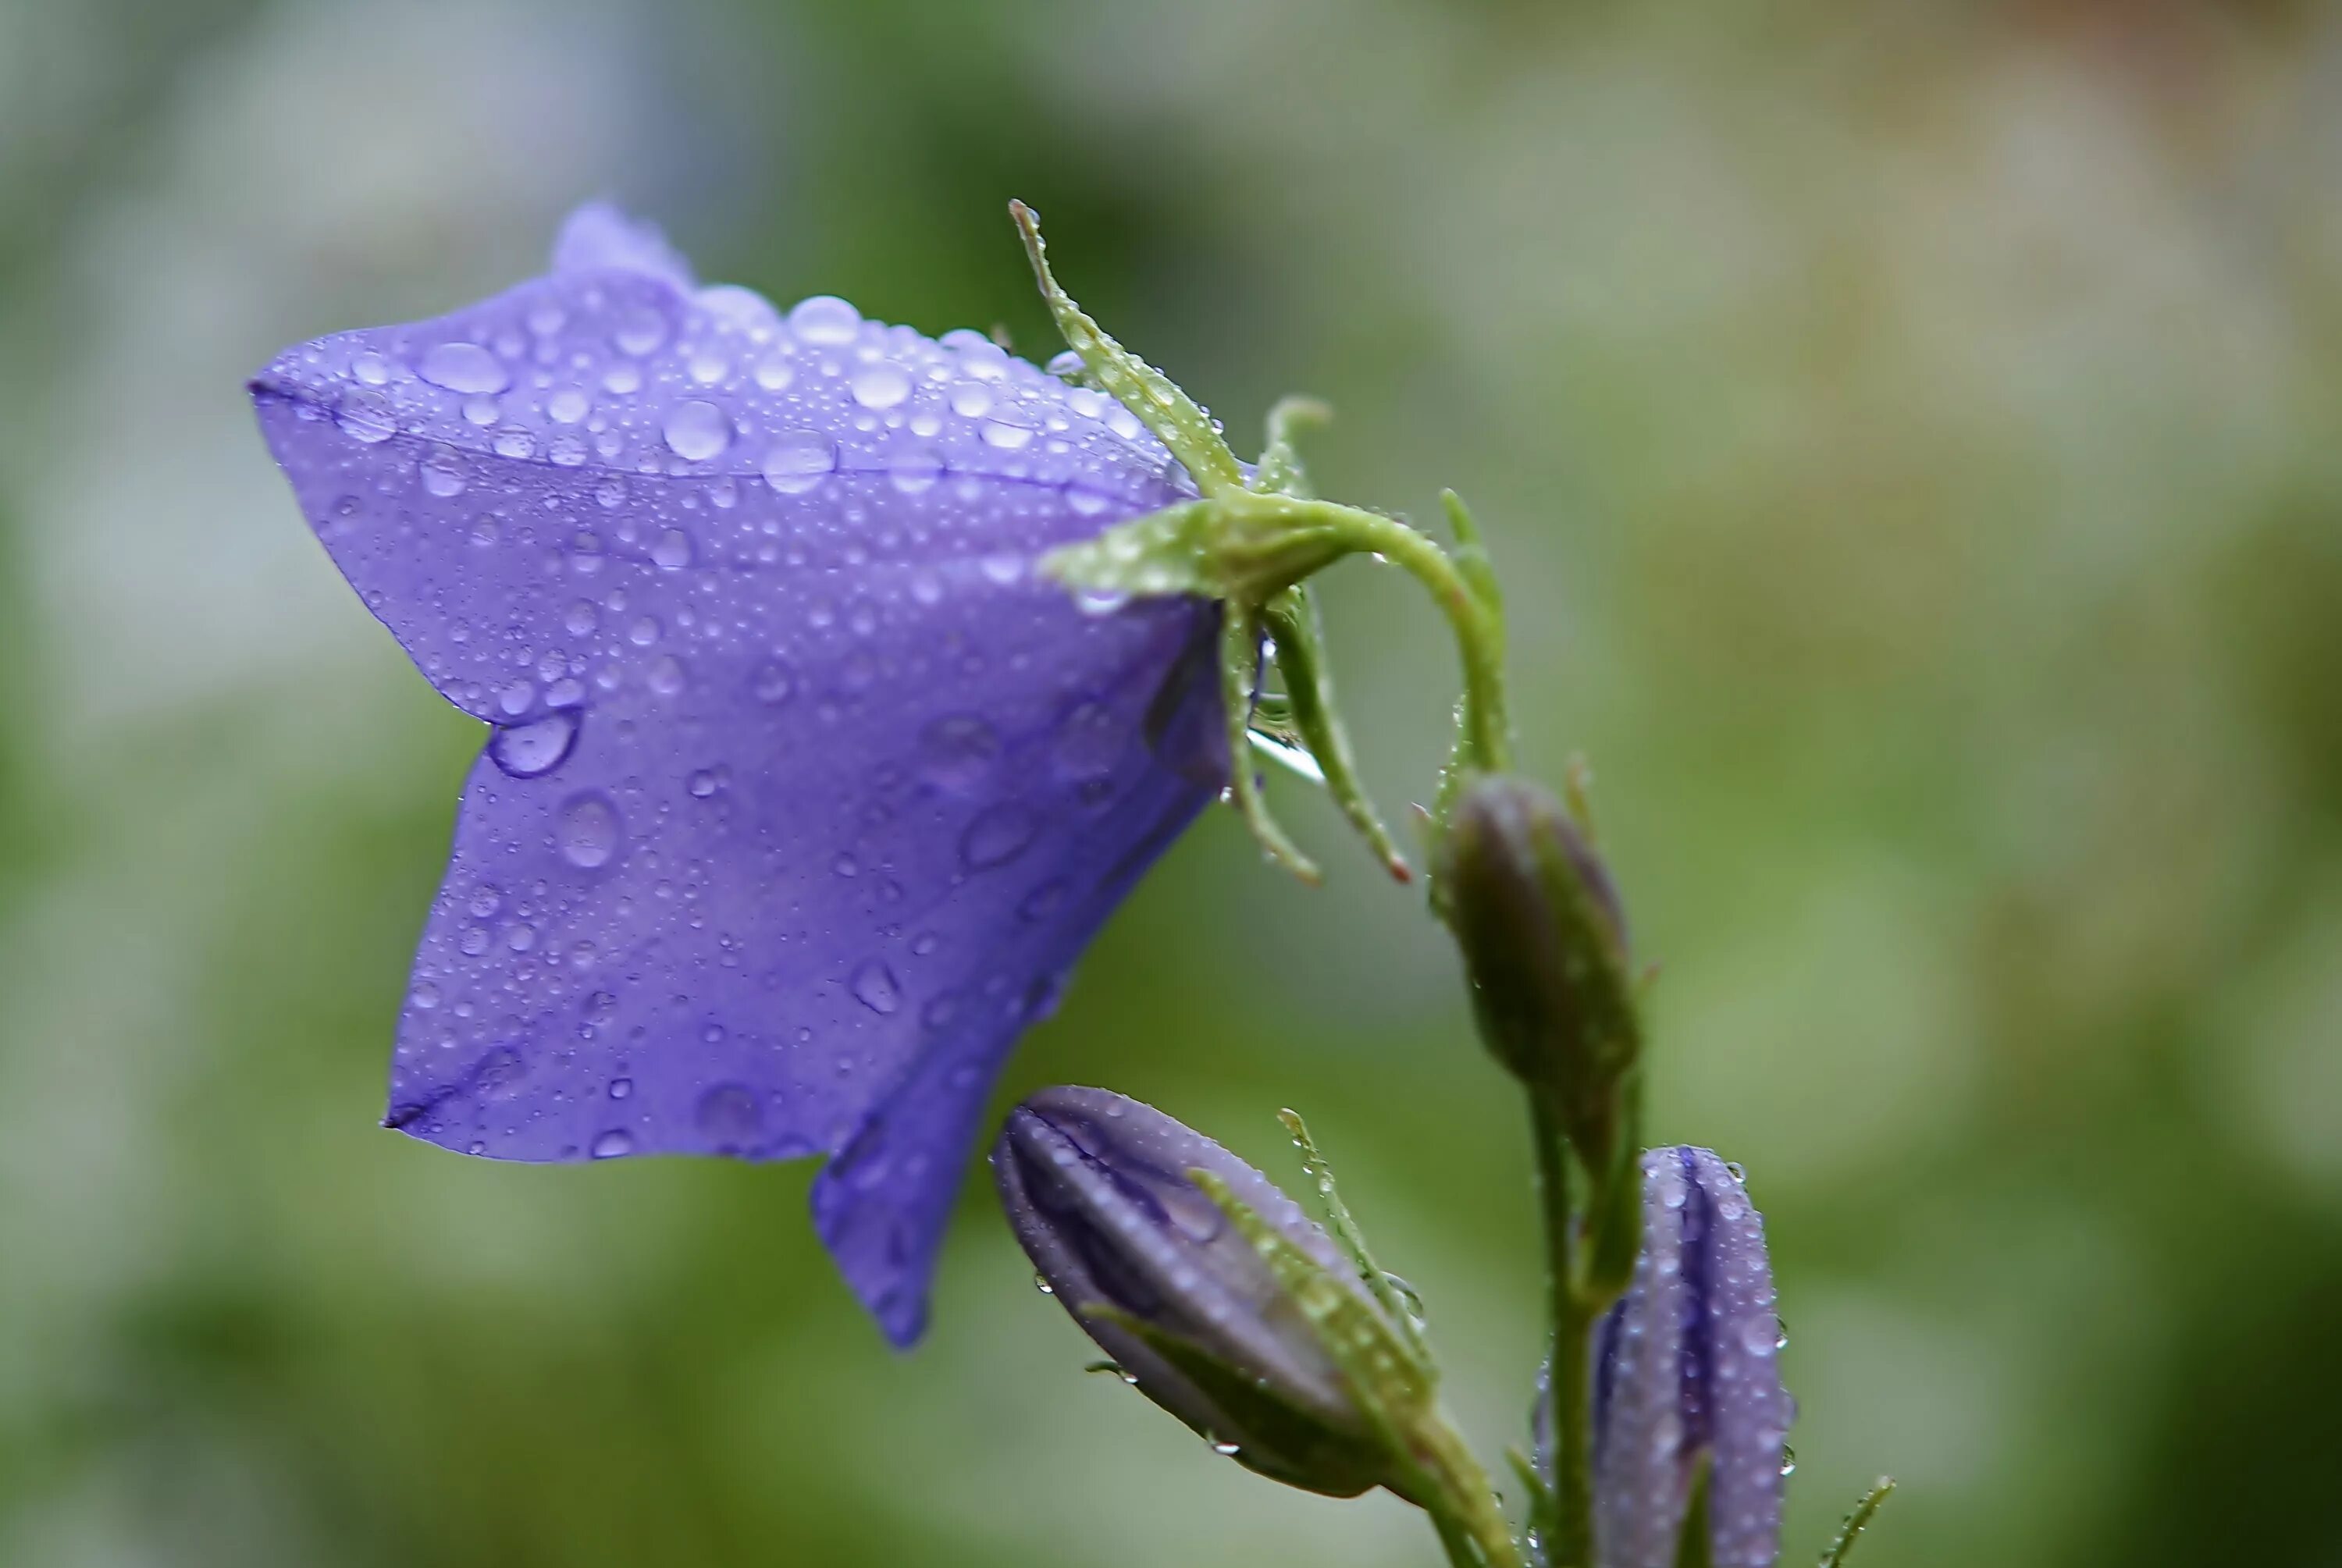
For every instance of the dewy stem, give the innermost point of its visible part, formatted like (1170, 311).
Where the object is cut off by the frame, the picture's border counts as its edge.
(1568, 1530)
(1479, 637)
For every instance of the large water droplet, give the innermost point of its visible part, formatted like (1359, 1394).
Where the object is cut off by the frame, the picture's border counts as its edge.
(913, 469)
(772, 684)
(666, 677)
(589, 831)
(364, 415)
(613, 1143)
(532, 750)
(824, 319)
(1007, 436)
(672, 551)
(997, 836)
(640, 330)
(465, 367)
(442, 473)
(874, 986)
(697, 430)
(955, 752)
(879, 384)
(798, 461)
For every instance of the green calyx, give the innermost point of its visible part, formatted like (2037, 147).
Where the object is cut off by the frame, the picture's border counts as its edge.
(1250, 542)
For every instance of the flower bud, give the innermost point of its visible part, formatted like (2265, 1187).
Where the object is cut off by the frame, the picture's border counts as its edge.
(1686, 1371)
(1545, 946)
(1097, 1190)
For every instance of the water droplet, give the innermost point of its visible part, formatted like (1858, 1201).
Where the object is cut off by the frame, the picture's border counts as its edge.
(774, 374)
(1043, 901)
(442, 473)
(1044, 1286)
(1227, 1450)
(702, 785)
(874, 986)
(970, 400)
(955, 752)
(772, 684)
(621, 1087)
(1089, 740)
(465, 367)
(371, 368)
(513, 441)
(824, 319)
(613, 1143)
(673, 550)
(364, 415)
(532, 750)
(729, 1114)
(1789, 1460)
(997, 836)
(423, 997)
(915, 470)
(697, 430)
(1064, 365)
(1761, 1334)
(665, 677)
(568, 406)
(879, 384)
(640, 330)
(589, 831)
(798, 461)
(1007, 436)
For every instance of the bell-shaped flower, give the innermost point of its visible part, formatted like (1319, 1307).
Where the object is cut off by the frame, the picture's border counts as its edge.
(803, 790)
(1687, 1375)
(1103, 1195)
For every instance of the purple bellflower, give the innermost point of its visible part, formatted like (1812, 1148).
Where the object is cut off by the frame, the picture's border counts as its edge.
(1686, 1373)
(803, 790)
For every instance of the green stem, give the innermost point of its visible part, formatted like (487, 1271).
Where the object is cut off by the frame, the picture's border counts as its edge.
(1479, 636)
(1568, 1529)
(1461, 1503)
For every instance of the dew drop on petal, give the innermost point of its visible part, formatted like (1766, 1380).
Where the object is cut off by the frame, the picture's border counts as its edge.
(697, 430)
(824, 319)
(955, 752)
(874, 986)
(364, 415)
(728, 1115)
(589, 831)
(465, 367)
(639, 331)
(997, 836)
(772, 684)
(666, 677)
(798, 461)
(568, 406)
(532, 750)
(442, 475)
(613, 1143)
(672, 551)
(879, 384)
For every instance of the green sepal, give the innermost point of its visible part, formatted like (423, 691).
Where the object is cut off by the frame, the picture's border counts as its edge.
(1280, 470)
(1856, 1522)
(1395, 1391)
(1288, 1445)
(1149, 394)
(1243, 548)
(1343, 1227)
(1239, 671)
(1291, 619)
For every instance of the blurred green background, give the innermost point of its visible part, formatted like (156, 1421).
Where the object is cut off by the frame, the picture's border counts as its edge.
(1910, 434)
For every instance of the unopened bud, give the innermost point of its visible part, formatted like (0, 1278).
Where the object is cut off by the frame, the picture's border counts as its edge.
(1687, 1380)
(1545, 946)
(1096, 1187)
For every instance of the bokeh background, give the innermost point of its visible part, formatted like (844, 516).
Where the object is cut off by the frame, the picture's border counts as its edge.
(1910, 434)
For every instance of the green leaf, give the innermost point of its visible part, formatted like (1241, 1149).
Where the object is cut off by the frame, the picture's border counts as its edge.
(1694, 1547)
(1280, 470)
(1856, 1522)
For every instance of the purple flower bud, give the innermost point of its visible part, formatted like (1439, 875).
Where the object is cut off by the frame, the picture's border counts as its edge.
(1688, 1370)
(1096, 1188)
(1544, 944)
(803, 793)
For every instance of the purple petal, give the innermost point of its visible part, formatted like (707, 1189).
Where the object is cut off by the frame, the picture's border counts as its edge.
(1687, 1364)
(805, 792)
